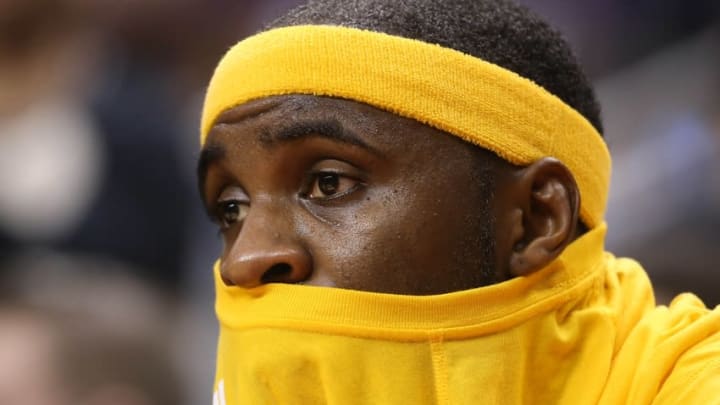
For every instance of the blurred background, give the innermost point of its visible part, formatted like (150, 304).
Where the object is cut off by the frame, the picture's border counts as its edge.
(105, 252)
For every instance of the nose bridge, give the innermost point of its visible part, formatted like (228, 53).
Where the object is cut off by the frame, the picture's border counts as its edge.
(267, 249)
(266, 219)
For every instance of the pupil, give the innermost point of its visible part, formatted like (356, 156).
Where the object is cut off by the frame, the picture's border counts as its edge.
(328, 184)
(231, 212)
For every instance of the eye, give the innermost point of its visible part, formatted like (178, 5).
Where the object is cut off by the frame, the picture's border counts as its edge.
(329, 185)
(231, 207)
(231, 212)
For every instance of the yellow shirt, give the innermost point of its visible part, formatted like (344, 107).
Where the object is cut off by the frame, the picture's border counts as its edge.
(584, 330)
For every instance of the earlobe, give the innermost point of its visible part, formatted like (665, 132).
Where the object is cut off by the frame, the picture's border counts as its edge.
(548, 201)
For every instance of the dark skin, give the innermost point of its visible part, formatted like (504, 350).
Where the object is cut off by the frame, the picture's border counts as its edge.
(336, 193)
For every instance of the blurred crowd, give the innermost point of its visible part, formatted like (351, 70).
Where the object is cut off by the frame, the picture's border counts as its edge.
(105, 252)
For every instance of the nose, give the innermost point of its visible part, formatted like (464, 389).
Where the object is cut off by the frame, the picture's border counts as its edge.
(266, 251)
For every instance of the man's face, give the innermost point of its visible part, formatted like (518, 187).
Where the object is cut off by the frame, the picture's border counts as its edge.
(336, 193)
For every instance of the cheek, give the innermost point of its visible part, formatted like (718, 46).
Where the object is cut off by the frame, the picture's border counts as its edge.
(397, 240)
(361, 245)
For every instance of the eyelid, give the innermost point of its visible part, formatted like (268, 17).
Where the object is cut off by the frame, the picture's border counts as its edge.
(232, 193)
(339, 167)
(216, 183)
(224, 196)
(357, 184)
(358, 181)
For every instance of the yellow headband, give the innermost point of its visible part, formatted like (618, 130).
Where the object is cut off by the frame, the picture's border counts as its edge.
(478, 101)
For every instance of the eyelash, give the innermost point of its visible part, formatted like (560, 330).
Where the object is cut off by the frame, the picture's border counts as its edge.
(316, 176)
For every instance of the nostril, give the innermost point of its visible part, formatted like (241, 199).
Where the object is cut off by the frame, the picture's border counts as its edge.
(228, 282)
(277, 273)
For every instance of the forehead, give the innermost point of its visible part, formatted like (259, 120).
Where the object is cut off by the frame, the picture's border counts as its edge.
(268, 117)
(249, 132)
(398, 146)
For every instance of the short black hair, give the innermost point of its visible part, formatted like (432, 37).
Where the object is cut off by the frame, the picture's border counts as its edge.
(498, 31)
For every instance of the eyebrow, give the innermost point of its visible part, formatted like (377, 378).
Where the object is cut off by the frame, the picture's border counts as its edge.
(322, 128)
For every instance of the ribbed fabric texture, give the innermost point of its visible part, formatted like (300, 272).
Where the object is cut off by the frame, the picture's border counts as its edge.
(406, 317)
(584, 330)
(477, 101)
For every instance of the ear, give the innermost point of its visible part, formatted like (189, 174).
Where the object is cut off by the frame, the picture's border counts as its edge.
(543, 215)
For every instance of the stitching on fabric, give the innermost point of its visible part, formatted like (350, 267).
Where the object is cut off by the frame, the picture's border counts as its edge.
(440, 369)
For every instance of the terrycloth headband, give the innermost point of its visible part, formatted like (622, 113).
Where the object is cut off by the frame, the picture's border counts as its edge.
(478, 101)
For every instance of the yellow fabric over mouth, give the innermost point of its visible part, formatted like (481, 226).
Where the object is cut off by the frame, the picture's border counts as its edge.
(475, 100)
(584, 330)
